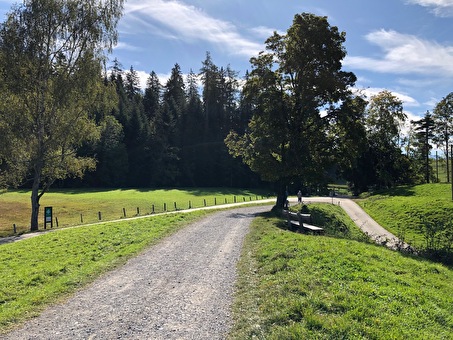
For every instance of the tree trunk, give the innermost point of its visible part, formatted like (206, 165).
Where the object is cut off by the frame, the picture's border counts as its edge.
(448, 165)
(282, 196)
(35, 203)
(447, 136)
(427, 154)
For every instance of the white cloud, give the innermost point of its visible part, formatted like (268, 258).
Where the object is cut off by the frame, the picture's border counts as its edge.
(143, 76)
(128, 47)
(187, 23)
(264, 32)
(432, 102)
(407, 100)
(405, 54)
(440, 8)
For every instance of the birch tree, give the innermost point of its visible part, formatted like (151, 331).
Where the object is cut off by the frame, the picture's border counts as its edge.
(51, 58)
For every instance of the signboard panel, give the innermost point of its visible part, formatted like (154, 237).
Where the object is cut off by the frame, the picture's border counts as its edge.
(48, 217)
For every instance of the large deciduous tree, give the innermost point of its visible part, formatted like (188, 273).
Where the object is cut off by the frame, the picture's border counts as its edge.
(384, 119)
(293, 91)
(51, 57)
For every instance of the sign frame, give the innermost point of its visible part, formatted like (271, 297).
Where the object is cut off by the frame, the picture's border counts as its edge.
(48, 217)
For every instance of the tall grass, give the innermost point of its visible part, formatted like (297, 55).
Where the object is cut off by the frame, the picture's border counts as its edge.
(295, 286)
(82, 206)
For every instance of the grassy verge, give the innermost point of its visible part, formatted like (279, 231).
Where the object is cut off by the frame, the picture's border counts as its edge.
(44, 269)
(334, 220)
(422, 215)
(295, 286)
(75, 207)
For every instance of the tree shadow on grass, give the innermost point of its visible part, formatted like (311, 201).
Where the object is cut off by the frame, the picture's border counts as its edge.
(406, 191)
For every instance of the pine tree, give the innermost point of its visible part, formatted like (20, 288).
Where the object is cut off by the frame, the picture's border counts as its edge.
(423, 129)
(152, 97)
(192, 134)
(443, 129)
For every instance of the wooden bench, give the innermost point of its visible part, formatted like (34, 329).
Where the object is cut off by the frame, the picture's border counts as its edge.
(301, 221)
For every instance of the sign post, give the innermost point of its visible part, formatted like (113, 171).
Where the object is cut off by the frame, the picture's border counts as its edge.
(48, 217)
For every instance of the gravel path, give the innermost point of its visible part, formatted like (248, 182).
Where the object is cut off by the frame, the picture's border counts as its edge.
(179, 289)
(364, 221)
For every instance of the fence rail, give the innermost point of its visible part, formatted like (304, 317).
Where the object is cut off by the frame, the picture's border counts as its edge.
(63, 217)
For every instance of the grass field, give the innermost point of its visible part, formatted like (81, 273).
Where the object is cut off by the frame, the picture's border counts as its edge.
(439, 170)
(41, 270)
(294, 286)
(421, 214)
(290, 285)
(75, 207)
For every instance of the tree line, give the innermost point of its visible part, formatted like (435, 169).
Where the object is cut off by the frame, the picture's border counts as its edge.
(170, 134)
(178, 133)
(294, 120)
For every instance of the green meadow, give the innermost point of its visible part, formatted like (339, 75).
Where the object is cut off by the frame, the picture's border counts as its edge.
(38, 271)
(290, 285)
(422, 215)
(296, 286)
(82, 206)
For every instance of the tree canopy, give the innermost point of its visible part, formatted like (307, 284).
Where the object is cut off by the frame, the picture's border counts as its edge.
(296, 120)
(296, 90)
(51, 57)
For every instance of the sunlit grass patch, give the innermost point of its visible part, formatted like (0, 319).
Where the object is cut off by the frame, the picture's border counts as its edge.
(41, 270)
(421, 215)
(295, 286)
(82, 206)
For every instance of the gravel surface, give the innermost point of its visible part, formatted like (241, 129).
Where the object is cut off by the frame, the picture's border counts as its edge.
(181, 288)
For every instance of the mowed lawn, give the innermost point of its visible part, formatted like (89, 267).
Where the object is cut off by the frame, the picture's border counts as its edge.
(290, 285)
(82, 206)
(295, 286)
(41, 270)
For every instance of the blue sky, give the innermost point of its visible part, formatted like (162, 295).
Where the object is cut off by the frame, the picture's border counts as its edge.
(405, 46)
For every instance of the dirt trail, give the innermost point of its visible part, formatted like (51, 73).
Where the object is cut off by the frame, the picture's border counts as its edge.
(179, 289)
